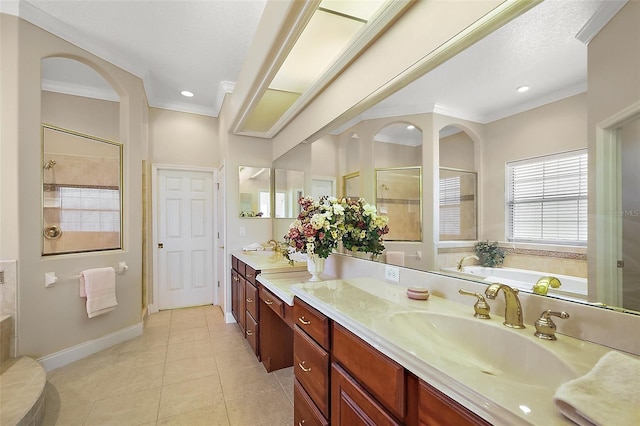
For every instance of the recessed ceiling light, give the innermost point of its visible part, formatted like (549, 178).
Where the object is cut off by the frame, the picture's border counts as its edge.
(411, 127)
(522, 89)
(187, 93)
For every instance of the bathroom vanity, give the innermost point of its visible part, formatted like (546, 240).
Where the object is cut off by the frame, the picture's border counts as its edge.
(261, 315)
(363, 349)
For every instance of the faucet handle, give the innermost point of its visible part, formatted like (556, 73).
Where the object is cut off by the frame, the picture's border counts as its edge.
(545, 327)
(481, 307)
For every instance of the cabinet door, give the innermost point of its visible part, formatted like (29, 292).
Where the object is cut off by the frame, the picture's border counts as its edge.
(234, 293)
(437, 409)
(242, 305)
(351, 405)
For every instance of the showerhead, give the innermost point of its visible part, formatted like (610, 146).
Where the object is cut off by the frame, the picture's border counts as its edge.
(49, 164)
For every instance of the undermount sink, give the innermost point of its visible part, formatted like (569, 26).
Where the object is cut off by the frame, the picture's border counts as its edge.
(473, 346)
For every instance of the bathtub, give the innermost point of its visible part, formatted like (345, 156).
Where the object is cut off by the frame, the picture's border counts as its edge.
(572, 287)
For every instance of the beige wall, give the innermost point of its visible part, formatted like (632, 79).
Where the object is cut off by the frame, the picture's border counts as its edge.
(457, 152)
(179, 138)
(52, 319)
(557, 127)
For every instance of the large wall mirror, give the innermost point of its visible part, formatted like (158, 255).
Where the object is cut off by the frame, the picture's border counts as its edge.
(254, 191)
(82, 192)
(476, 126)
(288, 188)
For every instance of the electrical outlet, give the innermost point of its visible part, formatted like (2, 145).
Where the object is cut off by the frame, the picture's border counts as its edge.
(392, 273)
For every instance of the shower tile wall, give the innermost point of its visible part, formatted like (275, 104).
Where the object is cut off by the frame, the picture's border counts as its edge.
(8, 296)
(85, 171)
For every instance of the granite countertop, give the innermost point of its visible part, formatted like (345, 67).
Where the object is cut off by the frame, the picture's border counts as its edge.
(366, 307)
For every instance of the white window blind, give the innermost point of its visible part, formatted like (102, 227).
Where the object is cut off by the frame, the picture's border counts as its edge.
(450, 206)
(547, 199)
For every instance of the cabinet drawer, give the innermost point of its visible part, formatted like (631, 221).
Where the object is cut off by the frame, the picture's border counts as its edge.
(305, 411)
(352, 405)
(251, 300)
(312, 322)
(251, 332)
(241, 267)
(382, 377)
(250, 274)
(311, 368)
(274, 303)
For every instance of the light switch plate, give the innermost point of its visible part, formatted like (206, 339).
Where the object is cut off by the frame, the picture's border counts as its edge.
(243, 231)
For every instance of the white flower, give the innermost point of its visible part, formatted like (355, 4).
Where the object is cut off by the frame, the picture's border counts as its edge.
(338, 209)
(318, 221)
(368, 210)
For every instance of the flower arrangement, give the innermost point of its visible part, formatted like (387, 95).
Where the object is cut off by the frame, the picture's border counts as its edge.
(489, 253)
(364, 228)
(318, 228)
(325, 222)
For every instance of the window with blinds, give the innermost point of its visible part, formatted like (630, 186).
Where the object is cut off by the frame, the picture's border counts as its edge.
(547, 199)
(450, 225)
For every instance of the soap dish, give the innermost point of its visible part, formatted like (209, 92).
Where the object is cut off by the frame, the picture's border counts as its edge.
(417, 293)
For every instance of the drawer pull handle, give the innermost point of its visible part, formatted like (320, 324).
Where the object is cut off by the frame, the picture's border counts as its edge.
(249, 300)
(301, 423)
(249, 276)
(249, 333)
(269, 302)
(303, 368)
(304, 321)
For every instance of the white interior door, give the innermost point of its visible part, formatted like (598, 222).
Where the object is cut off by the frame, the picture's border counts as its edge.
(220, 237)
(185, 238)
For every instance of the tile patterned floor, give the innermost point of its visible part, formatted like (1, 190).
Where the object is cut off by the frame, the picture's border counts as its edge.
(188, 368)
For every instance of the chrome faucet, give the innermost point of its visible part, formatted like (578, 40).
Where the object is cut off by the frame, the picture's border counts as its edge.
(512, 309)
(460, 263)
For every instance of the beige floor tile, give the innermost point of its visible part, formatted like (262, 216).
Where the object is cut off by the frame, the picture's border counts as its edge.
(251, 384)
(192, 349)
(78, 386)
(181, 336)
(146, 342)
(285, 377)
(130, 380)
(239, 356)
(228, 343)
(143, 357)
(74, 415)
(185, 396)
(271, 409)
(193, 368)
(187, 314)
(224, 329)
(158, 318)
(211, 416)
(125, 410)
(186, 324)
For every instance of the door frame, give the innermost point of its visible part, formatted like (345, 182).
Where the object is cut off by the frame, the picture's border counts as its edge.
(153, 306)
(605, 277)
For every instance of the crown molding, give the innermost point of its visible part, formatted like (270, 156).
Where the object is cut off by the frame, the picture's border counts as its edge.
(80, 90)
(597, 22)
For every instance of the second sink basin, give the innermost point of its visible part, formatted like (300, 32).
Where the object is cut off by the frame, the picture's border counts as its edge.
(476, 347)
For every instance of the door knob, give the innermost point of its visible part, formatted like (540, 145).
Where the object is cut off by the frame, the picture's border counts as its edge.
(160, 245)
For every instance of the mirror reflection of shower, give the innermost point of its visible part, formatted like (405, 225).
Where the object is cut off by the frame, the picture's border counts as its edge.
(49, 164)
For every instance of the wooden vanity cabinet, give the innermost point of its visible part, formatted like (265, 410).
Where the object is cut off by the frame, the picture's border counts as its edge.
(276, 336)
(311, 358)
(244, 301)
(437, 409)
(341, 378)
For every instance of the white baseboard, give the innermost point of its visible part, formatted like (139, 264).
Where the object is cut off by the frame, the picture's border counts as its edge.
(228, 318)
(90, 347)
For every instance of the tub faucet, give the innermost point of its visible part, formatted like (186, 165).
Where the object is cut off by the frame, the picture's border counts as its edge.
(460, 263)
(512, 309)
(543, 284)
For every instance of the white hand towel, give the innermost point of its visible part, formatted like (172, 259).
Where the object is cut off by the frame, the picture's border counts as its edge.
(607, 395)
(395, 258)
(99, 287)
